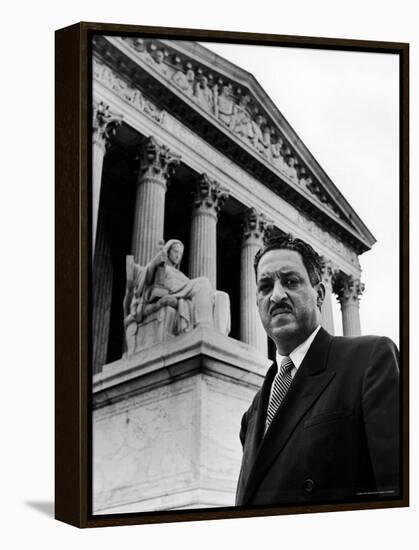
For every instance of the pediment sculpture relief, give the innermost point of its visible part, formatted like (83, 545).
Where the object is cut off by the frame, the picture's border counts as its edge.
(233, 106)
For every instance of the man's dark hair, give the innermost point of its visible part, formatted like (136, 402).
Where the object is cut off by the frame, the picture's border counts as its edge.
(311, 259)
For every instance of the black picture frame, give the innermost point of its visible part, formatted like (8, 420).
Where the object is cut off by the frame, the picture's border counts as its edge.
(73, 171)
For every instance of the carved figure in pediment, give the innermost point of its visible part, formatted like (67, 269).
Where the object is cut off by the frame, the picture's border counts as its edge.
(224, 104)
(261, 136)
(185, 81)
(318, 191)
(323, 197)
(242, 118)
(203, 94)
(158, 59)
(277, 154)
(257, 132)
(160, 296)
(267, 142)
(155, 58)
(306, 181)
(190, 77)
(291, 168)
(140, 46)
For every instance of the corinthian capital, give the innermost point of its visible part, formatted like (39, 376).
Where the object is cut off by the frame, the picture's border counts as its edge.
(105, 123)
(255, 226)
(157, 160)
(348, 289)
(209, 195)
(329, 271)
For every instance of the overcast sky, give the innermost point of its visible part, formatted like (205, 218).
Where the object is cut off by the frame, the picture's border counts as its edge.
(344, 106)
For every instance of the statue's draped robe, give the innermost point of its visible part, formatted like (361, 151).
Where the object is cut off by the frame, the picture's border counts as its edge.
(179, 286)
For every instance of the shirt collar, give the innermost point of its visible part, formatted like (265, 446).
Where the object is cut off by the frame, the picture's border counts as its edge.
(297, 355)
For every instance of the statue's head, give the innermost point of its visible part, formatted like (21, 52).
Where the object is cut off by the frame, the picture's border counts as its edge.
(226, 89)
(159, 56)
(174, 249)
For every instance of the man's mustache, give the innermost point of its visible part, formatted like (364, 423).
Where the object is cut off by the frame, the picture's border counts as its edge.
(282, 307)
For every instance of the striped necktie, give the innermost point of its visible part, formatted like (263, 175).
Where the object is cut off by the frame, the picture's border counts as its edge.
(281, 384)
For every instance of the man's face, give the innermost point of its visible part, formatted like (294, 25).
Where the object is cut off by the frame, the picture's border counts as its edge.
(175, 254)
(287, 302)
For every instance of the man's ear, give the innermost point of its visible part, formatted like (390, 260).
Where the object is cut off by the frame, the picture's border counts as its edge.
(321, 292)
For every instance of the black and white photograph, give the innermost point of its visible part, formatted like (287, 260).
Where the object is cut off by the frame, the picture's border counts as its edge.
(245, 286)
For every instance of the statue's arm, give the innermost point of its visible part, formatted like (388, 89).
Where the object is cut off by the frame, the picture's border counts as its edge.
(129, 289)
(159, 259)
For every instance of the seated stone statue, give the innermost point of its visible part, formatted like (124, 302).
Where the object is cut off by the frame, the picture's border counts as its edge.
(179, 302)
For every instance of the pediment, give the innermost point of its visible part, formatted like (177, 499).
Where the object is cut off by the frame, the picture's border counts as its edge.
(235, 105)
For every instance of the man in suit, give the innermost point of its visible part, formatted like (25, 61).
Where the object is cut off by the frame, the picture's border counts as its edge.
(324, 427)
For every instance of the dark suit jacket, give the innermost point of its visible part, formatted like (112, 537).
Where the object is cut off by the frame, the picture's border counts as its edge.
(336, 434)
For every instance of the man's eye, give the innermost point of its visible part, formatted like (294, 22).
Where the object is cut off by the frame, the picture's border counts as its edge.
(291, 282)
(264, 287)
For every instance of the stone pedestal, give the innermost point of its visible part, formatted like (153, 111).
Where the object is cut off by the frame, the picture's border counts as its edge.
(208, 199)
(156, 164)
(166, 424)
(349, 291)
(326, 311)
(251, 329)
(104, 125)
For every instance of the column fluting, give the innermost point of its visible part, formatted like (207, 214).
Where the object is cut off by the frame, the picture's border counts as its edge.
(251, 330)
(326, 309)
(102, 296)
(105, 123)
(157, 163)
(209, 197)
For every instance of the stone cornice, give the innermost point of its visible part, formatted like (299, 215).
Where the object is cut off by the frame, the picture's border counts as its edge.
(126, 63)
(226, 356)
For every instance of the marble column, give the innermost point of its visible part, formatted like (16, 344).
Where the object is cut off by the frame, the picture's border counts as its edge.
(102, 294)
(251, 330)
(105, 123)
(349, 291)
(209, 196)
(157, 163)
(326, 309)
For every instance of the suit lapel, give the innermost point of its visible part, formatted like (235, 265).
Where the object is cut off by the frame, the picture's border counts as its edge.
(263, 405)
(255, 430)
(311, 380)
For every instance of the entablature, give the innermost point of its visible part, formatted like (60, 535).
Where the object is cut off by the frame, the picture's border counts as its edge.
(156, 67)
(201, 157)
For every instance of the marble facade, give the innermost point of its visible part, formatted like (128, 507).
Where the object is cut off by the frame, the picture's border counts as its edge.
(165, 428)
(185, 145)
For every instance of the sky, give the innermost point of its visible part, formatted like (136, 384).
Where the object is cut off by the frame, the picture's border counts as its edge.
(345, 108)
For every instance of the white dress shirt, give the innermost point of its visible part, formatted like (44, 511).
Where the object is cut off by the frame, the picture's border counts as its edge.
(297, 355)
